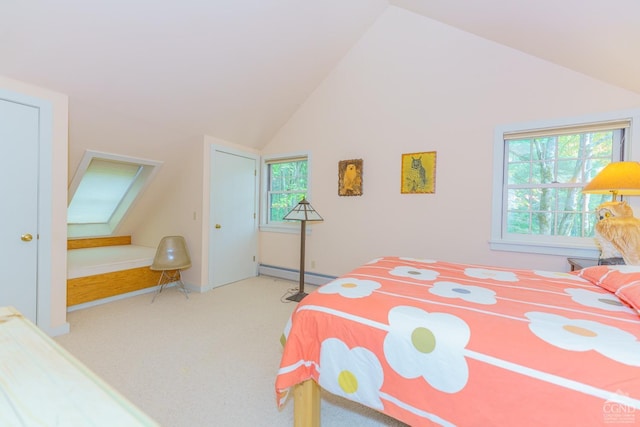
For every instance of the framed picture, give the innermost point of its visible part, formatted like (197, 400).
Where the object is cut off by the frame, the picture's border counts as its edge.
(350, 177)
(418, 173)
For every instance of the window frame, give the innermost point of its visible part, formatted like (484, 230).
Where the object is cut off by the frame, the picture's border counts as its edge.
(284, 226)
(550, 245)
(109, 228)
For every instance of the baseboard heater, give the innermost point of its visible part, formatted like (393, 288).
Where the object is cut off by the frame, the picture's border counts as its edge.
(294, 275)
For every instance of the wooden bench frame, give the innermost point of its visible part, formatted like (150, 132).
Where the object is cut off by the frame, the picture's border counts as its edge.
(91, 288)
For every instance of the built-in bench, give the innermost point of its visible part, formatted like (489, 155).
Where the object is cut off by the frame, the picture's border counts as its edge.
(105, 267)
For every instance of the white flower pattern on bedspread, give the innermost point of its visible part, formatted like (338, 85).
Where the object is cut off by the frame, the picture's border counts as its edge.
(350, 288)
(608, 302)
(430, 345)
(584, 335)
(414, 273)
(352, 373)
(486, 273)
(468, 293)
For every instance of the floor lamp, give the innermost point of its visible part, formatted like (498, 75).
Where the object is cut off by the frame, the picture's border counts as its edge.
(302, 212)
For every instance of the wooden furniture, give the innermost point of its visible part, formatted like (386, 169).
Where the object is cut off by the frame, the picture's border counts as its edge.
(306, 404)
(43, 385)
(576, 264)
(104, 267)
(96, 242)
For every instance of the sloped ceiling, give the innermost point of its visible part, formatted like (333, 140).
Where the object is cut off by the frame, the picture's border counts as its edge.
(598, 38)
(238, 69)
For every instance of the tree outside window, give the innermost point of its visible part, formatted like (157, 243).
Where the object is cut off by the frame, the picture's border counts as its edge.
(544, 178)
(287, 185)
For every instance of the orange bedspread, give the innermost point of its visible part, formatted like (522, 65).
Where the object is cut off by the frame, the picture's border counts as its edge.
(435, 343)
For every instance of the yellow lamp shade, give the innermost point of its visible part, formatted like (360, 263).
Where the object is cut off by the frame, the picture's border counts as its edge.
(621, 178)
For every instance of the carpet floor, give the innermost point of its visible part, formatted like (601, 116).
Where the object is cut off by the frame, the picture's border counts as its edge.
(209, 360)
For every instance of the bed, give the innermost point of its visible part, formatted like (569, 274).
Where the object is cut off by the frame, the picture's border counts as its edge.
(435, 343)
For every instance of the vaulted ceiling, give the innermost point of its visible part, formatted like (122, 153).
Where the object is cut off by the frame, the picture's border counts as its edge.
(238, 69)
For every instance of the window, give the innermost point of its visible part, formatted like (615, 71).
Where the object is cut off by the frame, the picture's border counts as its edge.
(538, 201)
(286, 182)
(103, 189)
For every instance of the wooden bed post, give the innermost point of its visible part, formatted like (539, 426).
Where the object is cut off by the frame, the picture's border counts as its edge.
(306, 404)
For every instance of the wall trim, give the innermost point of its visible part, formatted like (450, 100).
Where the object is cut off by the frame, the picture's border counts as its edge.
(310, 278)
(127, 295)
(63, 329)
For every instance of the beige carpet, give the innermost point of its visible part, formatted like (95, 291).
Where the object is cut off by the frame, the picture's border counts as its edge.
(210, 360)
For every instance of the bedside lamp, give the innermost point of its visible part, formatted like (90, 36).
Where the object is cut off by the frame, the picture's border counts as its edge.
(618, 178)
(302, 212)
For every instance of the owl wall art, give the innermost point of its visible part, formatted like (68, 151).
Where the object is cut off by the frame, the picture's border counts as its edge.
(418, 173)
(350, 177)
(618, 232)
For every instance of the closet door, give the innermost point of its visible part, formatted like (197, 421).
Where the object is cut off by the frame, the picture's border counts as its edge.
(233, 237)
(19, 166)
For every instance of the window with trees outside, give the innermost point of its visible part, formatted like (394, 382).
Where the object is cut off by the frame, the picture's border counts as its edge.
(286, 180)
(538, 191)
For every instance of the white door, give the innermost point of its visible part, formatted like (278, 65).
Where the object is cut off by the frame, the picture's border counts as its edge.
(233, 239)
(19, 144)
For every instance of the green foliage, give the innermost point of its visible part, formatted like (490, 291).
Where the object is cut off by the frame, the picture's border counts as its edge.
(545, 177)
(287, 186)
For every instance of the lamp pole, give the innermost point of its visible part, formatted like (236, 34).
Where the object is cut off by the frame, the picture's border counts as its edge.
(303, 232)
(301, 294)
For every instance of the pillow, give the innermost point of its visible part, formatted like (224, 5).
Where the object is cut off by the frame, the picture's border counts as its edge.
(622, 280)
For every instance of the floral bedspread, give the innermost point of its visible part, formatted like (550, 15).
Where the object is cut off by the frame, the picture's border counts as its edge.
(435, 343)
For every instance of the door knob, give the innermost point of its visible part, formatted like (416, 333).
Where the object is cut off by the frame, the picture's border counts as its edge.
(218, 226)
(26, 237)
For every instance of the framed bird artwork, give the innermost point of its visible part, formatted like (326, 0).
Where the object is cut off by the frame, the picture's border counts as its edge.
(350, 177)
(418, 173)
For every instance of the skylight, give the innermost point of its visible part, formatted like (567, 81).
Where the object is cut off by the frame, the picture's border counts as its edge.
(103, 190)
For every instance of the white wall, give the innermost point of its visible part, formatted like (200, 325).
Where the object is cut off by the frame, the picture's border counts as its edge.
(177, 201)
(168, 204)
(58, 322)
(93, 128)
(179, 205)
(412, 84)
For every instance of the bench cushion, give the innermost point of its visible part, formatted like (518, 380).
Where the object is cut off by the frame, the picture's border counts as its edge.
(107, 259)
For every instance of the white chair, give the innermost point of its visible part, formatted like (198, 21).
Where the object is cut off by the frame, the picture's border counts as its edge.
(172, 256)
